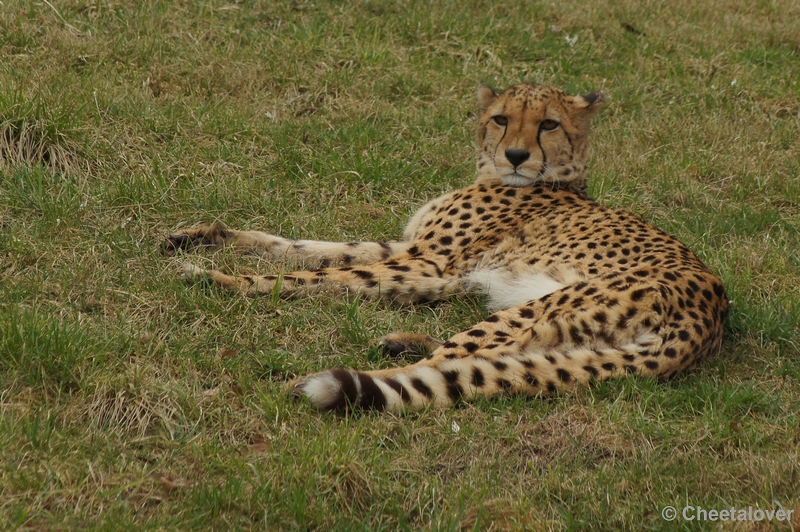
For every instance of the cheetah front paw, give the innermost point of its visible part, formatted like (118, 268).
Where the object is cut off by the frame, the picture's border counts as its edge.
(214, 234)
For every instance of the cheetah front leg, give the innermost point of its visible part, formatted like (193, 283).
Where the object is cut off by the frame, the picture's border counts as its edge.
(311, 253)
(403, 280)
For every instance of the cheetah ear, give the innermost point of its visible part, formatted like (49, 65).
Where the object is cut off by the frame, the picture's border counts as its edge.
(486, 96)
(589, 105)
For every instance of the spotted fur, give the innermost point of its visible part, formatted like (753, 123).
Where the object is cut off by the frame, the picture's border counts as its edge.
(581, 292)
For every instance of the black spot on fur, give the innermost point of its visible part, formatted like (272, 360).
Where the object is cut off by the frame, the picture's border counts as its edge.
(399, 388)
(454, 390)
(575, 334)
(637, 295)
(471, 347)
(451, 376)
(347, 385)
(372, 397)
(363, 274)
(421, 387)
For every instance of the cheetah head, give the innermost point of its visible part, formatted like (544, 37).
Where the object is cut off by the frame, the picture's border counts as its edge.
(534, 133)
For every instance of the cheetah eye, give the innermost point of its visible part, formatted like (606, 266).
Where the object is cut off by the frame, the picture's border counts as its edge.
(500, 120)
(550, 125)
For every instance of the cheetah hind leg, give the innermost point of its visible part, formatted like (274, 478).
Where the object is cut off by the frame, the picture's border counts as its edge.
(408, 345)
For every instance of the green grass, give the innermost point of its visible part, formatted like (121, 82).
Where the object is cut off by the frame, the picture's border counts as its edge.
(131, 401)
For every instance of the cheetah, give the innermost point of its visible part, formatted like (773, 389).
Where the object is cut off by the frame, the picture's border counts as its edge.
(579, 292)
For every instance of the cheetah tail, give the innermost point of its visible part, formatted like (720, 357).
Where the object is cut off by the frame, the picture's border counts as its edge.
(441, 382)
(410, 388)
(341, 389)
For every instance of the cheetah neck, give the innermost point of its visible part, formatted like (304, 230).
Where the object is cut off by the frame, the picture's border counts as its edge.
(578, 185)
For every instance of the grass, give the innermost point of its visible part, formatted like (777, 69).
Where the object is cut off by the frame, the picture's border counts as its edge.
(129, 400)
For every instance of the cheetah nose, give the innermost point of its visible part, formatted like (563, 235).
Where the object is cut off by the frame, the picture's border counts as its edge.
(517, 157)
